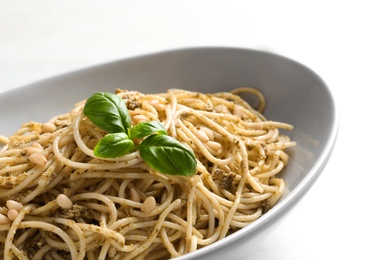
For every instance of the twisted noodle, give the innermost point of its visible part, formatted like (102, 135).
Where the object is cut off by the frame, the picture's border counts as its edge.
(106, 213)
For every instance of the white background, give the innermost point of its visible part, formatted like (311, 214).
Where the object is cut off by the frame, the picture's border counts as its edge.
(345, 215)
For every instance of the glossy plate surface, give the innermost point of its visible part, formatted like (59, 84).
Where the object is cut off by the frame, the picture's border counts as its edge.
(294, 93)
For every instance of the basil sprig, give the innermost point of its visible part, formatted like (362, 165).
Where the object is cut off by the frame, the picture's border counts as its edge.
(159, 150)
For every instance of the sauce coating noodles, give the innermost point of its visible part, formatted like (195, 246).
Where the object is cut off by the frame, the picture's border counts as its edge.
(58, 201)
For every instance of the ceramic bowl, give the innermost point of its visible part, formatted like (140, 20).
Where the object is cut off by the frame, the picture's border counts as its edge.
(294, 93)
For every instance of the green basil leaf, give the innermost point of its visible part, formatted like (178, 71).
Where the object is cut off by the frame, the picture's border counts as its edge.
(143, 129)
(167, 155)
(113, 145)
(108, 112)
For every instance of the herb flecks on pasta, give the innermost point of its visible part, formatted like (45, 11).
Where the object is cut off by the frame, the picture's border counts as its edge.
(59, 199)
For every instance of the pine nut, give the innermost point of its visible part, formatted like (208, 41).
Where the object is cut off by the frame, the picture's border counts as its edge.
(157, 105)
(4, 219)
(45, 153)
(134, 196)
(12, 214)
(11, 204)
(237, 111)
(148, 204)
(48, 128)
(37, 145)
(209, 133)
(222, 109)
(214, 145)
(64, 202)
(201, 134)
(139, 118)
(38, 158)
(31, 150)
(153, 102)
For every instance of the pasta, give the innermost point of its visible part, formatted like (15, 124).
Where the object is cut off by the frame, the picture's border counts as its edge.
(58, 201)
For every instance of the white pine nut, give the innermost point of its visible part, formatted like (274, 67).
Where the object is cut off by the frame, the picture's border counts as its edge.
(139, 118)
(11, 204)
(214, 145)
(48, 128)
(4, 219)
(45, 153)
(157, 105)
(134, 196)
(64, 202)
(148, 204)
(12, 214)
(222, 109)
(201, 134)
(37, 145)
(209, 133)
(237, 111)
(38, 158)
(31, 150)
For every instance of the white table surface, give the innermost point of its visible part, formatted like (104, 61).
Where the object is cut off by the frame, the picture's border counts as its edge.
(345, 215)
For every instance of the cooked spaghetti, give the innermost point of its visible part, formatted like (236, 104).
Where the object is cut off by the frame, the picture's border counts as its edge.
(58, 201)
